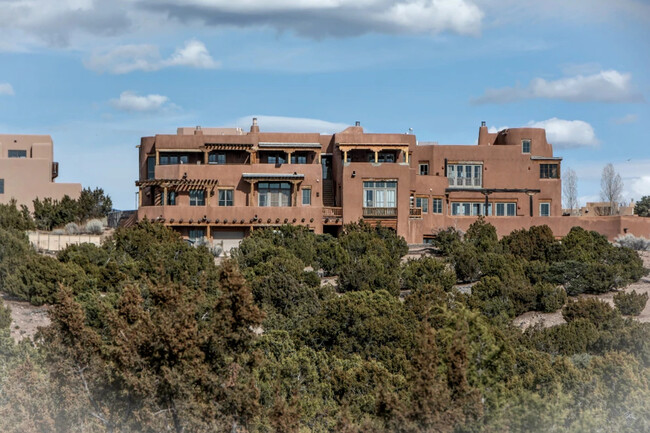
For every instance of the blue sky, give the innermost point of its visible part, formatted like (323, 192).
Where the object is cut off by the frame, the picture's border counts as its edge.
(97, 76)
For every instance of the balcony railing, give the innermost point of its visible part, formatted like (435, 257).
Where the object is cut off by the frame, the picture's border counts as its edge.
(336, 212)
(415, 212)
(380, 212)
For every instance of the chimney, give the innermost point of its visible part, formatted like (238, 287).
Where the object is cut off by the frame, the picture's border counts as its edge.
(483, 139)
(357, 123)
(198, 130)
(254, 128)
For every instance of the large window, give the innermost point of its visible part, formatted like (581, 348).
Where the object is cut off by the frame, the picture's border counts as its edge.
(17, 153)
(470, 209)
(226, 197)
(545, 209)
(274, 194)
(197, 197)
(548, 171)
(174, 159)
(525, 146)
(306, 196)
(380, 193)
(436, 205)
(299, 158)
(196, 234)
(465, 175)
(506, 209)
(217, 158)
(424, 168)
(151, 167)
(277, 158)
(422, 203)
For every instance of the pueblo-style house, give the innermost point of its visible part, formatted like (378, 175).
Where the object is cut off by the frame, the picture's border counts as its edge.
(221, 183)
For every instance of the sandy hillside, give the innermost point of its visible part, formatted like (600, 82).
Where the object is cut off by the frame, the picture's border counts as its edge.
(551, 319)
(26, 317)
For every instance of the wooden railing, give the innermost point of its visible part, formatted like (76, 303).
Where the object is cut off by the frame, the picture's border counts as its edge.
(415, 212)
(336, 212)
(382, 212)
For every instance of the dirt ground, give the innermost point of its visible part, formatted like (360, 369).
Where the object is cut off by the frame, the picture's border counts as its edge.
(551, 319)
(26, 317)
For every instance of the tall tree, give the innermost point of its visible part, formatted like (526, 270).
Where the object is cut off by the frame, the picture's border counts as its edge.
(570, 191)
(611, 188)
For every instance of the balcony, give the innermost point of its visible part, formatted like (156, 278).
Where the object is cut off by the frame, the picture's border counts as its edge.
(415, 212)
(335, 212)
(379, 212)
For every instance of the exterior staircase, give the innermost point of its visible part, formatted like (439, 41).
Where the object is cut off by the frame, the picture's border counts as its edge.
(328, 193)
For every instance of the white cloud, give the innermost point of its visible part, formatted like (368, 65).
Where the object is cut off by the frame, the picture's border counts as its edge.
(129, 101)
(605, 86)
(129, 58)
(331, 17)
(567, 133)
(639, 187)
(629, 118)
(291, 124)
(6, 89)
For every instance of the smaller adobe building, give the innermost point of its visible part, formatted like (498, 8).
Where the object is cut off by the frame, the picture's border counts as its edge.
(28, 170)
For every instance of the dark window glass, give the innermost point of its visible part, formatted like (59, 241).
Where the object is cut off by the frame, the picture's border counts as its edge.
(306, 196)
(2, 186)
(196, 234)
(548, 171)
(197, 197)
(424, 169)
(225, 197)
(436, 205)
(17, 153)
(151, 167)
(171, 198)
(525, 146)
(299, 159)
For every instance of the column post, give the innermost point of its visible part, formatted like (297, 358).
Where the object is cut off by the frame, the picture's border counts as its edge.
(205, 156)
(164, 197)
(139, 197)
(207, 197)
(376, 155)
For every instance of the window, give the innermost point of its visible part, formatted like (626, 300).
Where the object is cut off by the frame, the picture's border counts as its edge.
(277, 158)
(196, 234)
(545, 209)
(274, 194)
(171, 198)
(226, 197)
(436, 205)
(424, 168)
(217, 158)
(465, 175)
(380, 193)
(299, 159)
(422, 203)
(197, 197)
(17, 153)
(173, 159)
(506, 209)
(548, 171)
(2, 186)
(306, 196)
(385, 157)
(525, 146)
(151, 167)
(470, 209)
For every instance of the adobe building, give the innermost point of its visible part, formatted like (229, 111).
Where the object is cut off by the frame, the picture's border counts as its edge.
(221, 183)
(28, 170)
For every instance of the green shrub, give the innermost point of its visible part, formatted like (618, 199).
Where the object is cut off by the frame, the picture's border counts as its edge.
(535, 243)
(630, 304)
(426, 270)
(596, 311)
(550, 298)
(445, 239)
(12, 218)
(465, 259)
(584, 277)
(482, 235)
(5, 316)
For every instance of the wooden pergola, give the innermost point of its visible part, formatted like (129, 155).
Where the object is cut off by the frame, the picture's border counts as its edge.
(254, 178)
(177, 185)
(374, 147)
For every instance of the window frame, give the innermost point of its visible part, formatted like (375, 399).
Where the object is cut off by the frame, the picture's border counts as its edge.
(2, 186)
(549, 171)
(380, 192)
(422, 199)
(276, 192)
(217, 158)
(151, 167)
(194, 199)
(434, 201)
(171, 198)
(306, 190)
(193, 231)
(22, 155)
(548, 206)
(425, 166)
(225, 201)
(526, 144)
(462, 173)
